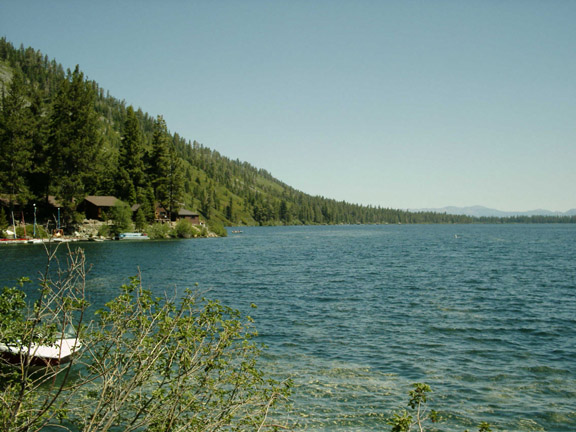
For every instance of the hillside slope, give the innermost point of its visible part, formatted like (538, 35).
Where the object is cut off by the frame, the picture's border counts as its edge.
(224, 191)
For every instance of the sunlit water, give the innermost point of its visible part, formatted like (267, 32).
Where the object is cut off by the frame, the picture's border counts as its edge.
(354, 314)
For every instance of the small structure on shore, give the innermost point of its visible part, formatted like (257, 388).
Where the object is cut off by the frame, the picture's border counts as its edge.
(94, 207)
(188, 215)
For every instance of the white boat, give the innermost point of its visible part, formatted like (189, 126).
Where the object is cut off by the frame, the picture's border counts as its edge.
(133, 236)
(58, 353)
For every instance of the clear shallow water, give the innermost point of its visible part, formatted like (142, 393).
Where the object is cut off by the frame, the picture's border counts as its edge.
(354, 314)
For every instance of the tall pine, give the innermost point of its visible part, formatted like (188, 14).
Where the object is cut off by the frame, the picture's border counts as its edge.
(15, 141)
(73, 141)
(166, 172)
(40, 170)
(131, 173)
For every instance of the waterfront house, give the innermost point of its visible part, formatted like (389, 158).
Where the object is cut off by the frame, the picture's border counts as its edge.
(95, 206)
(162, 215)
(188, 215)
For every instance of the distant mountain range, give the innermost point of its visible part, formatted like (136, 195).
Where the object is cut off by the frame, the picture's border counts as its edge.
(480, 211)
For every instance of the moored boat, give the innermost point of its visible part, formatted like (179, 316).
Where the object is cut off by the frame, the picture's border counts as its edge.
(132, 236)
(60, 352)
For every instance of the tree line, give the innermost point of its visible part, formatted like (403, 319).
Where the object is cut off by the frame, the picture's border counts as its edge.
(62, 135)
(56, 140)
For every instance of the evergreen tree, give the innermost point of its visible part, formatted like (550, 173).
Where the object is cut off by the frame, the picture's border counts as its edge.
(206, 204)
(140, 220)
(121, 216)
(15, 141)
(230, 210)
(160, 161)
(130, 161)
(175, 182)
(3, 219)
(165, 169)
(283, 212)
(39, 173)
(73, 141)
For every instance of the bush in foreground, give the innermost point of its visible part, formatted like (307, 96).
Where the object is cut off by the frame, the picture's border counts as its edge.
(417, 416)
(179, 363)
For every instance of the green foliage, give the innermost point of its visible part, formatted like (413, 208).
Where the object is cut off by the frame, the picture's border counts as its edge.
(417, 415)
(70, 138)
(204, 375)
(484, 427)
(158, 231)
(131, 179)
(104, 231)
(15, 139)
(12, 305)
(165, 169)
(121, 216)
(40, 231)
(218, 228)
(32, 399)
(28, 231)
(3, 219)
(140, 220)
(149, 363)
(74, 141)
(185, 229)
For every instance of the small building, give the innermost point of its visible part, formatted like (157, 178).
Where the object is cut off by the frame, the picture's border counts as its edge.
(160, 213)
(188, 215)
(94, 206)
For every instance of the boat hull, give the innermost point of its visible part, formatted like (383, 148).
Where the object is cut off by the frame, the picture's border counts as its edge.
(61, 352)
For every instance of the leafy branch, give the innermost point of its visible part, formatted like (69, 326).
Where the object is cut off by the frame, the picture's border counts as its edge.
(418, 415)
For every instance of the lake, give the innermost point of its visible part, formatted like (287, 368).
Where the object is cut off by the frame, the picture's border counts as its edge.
(485, 314)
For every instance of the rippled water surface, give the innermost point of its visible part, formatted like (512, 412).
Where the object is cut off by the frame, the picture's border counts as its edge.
(354, 314)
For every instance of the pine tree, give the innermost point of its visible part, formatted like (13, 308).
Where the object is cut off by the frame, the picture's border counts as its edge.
(3, 219)
(160, 161)
(140, 220)
(166, 172)
(15, 140)
(230, 210)
(39, 173)
(175, 182)
(73, 140)
(130, 160)
(206, 204)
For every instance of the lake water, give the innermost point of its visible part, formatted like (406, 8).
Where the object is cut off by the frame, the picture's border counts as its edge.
(485, 314)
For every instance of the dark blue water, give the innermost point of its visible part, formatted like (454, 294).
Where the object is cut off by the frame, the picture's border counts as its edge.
(354, 314)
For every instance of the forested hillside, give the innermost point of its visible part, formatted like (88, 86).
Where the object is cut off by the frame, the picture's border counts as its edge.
(64, 136)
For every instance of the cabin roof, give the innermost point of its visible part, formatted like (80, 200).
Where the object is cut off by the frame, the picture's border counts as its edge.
(184, 212)
(102, 200)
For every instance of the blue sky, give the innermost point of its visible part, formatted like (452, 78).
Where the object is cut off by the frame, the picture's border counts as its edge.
(402, 104)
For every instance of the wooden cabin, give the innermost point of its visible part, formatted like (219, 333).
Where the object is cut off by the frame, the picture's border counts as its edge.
(95, 206)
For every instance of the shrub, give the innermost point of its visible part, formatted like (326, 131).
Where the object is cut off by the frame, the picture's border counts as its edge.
(185, 229)
(3, 219)
(140, 220)
(121, 216)
(149, 363)
(218, 228)
(104, 230)
(417, 414)
(159, 231)
(29, 231)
